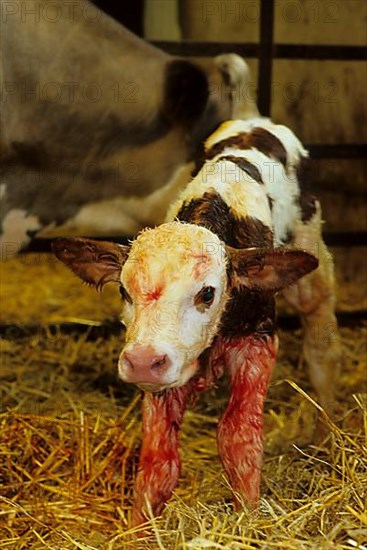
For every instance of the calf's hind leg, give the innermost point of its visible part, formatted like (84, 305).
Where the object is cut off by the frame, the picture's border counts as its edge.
(314, 297)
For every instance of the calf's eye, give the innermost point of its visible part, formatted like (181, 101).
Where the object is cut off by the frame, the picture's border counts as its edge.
(204, 298)
(124, 295)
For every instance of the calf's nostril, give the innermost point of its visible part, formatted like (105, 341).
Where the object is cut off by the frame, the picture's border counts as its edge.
(159, 361)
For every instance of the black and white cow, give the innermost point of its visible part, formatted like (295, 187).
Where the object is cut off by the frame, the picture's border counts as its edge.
(98, 127)
(198, 298)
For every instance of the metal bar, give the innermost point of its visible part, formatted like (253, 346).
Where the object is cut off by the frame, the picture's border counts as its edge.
(266, 50)
(331, 52)
(320, 52)
(194, 48)
(337, 150)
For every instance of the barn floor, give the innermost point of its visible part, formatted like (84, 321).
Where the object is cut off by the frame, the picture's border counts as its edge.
(70, 436)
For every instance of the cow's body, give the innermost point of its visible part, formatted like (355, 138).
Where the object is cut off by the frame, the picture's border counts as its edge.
(199, 299)
(98, 127)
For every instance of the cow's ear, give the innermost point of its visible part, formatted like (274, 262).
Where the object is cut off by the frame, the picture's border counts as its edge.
(95, 262)
(236, 78)
(270, 269)
(186, 92)
(234, 69)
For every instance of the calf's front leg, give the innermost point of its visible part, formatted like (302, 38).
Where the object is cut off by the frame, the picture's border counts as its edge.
(159, 463)
(250, 361)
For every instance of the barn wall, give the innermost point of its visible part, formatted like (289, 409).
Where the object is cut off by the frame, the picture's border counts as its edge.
(161, 20)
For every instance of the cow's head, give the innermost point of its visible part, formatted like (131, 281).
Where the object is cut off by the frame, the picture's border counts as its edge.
(175, 282)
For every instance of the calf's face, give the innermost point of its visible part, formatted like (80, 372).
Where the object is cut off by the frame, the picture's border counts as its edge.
(175, 289)
(176, 281)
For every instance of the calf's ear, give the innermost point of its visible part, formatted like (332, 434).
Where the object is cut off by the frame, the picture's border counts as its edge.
(95, 262)
(270, 269)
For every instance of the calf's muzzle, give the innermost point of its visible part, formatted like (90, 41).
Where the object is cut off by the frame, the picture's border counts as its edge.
(143, 365)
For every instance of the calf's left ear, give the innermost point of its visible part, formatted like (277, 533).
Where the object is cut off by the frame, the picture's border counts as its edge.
(95, 262)
(270, 269)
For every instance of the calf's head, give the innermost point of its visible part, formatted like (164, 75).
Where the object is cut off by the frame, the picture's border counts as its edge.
(175, 281)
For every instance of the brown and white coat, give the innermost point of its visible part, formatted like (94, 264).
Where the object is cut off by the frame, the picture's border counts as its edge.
(198, 298)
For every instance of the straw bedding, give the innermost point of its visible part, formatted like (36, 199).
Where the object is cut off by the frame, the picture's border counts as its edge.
(70, 436)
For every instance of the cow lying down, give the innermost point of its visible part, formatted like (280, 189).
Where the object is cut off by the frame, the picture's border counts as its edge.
(198, 299)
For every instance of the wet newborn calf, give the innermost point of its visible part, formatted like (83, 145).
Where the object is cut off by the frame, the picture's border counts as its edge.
(198, 298)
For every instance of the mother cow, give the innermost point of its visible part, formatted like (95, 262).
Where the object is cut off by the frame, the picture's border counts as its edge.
(98, 127)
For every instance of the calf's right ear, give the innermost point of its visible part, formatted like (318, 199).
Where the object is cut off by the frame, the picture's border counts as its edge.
(95, 262)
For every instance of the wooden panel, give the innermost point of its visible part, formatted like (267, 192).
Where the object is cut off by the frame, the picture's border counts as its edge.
(220, 20)
(343, 211)
(322, 101)
(321, 22)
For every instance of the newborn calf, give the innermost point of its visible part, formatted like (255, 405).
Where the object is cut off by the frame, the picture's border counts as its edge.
(198, 298)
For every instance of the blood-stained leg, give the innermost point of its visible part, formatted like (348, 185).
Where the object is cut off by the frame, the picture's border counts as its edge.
(159, 463)
(314, 297)
(240, 432)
